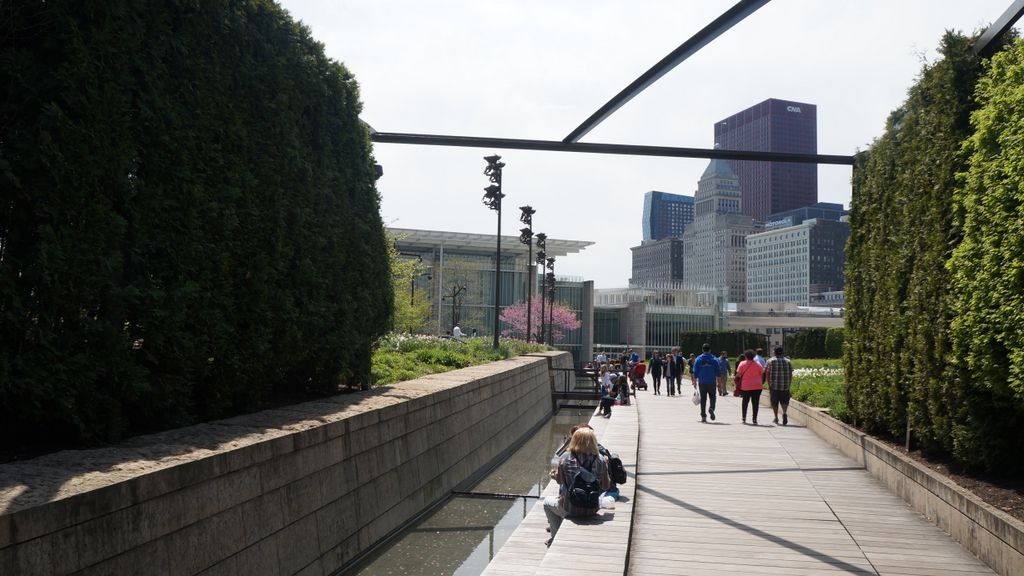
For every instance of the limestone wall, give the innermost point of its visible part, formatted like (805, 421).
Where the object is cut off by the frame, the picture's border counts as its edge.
(298, 490)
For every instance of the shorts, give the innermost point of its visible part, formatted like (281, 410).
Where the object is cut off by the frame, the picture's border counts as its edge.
(779, 397)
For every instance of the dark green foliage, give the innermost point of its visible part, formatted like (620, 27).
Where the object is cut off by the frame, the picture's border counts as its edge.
(834, 341)
(188, 222)
(807, 343)
(901, 363)
(731, 341)
(987, 270)
(901, 236)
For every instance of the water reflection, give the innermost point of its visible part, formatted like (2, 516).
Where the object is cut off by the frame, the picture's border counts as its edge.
(462, 536)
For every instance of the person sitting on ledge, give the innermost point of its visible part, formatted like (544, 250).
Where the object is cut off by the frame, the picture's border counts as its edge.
(581, 459)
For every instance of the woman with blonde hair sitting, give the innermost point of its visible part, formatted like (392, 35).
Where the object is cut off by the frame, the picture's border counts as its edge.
(582, 475)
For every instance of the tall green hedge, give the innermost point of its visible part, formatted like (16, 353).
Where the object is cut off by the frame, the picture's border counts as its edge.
(987, 270)
(903, 363)
(731, 341)
(188, 220)
(807, 343)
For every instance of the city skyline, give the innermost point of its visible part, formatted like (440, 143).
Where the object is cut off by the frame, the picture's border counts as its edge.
(472, 69)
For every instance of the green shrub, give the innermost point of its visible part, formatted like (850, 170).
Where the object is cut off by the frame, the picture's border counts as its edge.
(190, 223)
(400, 357)
(987, 279)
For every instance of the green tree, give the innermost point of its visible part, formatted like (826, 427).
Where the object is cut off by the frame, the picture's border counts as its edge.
(834, 342)
(902, 232)
(188, 218)
(987, 271)
(412, 307)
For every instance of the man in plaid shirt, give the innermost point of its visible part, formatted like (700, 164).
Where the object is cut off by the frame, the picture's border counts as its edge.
(778, 372)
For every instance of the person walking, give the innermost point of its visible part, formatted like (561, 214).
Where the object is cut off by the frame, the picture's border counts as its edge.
(581, 458)
(704, 376)
(723, 374)
(657, 365)
(671, 373)
(749, 380)
(778, 373)
(759, 357)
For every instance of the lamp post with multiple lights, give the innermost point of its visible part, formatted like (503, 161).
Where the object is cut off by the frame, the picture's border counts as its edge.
(492, 199)
(526, 237)
(542, 239)
(551, 299)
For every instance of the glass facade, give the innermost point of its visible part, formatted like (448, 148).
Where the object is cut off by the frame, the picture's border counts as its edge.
(666, 215)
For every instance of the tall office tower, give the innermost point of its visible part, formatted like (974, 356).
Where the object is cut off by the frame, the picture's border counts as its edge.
(657, 262)
(666, 215)
(714, 246)
(773, 126)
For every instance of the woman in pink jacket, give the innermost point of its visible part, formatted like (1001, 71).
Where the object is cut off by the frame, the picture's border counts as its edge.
(749, 383)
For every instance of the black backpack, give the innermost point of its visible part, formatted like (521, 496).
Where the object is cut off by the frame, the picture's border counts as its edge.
(615, 468)
(585, 491)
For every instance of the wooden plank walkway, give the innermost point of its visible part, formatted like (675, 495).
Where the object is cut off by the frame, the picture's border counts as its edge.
(524, 554)
(729, 498)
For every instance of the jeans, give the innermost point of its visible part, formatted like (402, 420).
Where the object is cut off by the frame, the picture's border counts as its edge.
(754, 397)
(555, 513)
(657, 383)
(707, 391)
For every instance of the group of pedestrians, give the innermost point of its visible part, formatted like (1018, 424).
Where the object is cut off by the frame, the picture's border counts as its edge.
(709, 377)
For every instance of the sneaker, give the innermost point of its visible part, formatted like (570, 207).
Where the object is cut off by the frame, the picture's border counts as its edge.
(703, 419)
(712, 414)
(785, 419)
(548, 541)
(755, 422)
(776, 421)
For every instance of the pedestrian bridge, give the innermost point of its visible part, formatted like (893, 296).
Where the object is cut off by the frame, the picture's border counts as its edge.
(729, 498)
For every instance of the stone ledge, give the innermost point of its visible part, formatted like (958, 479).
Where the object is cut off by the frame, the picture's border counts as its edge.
(66, 492)
(990, 534)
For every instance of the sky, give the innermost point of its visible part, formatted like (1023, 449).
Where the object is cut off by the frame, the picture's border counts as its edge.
(536, 69)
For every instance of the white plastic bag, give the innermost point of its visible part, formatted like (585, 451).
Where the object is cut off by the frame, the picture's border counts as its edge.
(696, 397)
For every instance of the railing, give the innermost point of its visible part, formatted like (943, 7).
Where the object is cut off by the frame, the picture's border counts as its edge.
(575, 384)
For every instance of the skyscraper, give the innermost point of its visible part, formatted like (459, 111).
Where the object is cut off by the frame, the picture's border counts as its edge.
(773, 126)
(666, 215)
(714, 246)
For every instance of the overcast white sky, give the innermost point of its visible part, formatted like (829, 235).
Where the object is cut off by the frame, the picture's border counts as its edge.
(538, 68)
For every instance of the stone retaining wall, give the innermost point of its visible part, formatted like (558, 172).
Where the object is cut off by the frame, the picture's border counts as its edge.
(298, 490)
(991, 535)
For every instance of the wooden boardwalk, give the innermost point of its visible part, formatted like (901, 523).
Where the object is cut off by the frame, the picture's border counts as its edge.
(728, 498)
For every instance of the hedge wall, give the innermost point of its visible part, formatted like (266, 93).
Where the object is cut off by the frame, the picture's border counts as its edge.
(731, 341)
(987, 270)
(902, 360)
(188, 219)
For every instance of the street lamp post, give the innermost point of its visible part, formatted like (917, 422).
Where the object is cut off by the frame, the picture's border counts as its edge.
(551, 300)
(492, 199)
(526, 237)
(541, 258)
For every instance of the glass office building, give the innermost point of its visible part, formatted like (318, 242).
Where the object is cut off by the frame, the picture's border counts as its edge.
(666, 215)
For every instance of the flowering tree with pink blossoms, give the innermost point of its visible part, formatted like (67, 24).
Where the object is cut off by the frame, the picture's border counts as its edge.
(564, 319)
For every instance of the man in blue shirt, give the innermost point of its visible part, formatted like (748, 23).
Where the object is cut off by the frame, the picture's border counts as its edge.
(704, 375)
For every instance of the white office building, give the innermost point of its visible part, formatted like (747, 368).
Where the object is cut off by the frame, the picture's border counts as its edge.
(796, 263)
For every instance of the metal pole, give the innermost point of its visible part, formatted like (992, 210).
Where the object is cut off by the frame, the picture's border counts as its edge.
(529, 288)
(497, 272)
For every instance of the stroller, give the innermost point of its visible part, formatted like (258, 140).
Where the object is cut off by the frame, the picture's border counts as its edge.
(636, 376)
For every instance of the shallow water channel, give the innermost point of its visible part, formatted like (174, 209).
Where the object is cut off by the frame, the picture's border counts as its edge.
(461, 536)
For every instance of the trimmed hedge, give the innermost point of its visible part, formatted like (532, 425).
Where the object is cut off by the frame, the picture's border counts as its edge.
(731, 341)
(987, 270)
(188, 220)
(902, 360)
